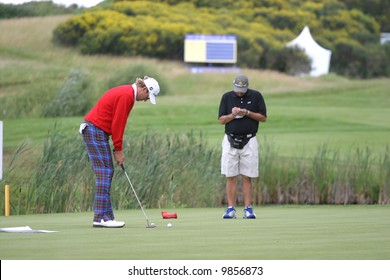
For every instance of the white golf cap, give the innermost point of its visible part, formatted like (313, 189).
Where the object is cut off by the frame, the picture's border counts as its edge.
(153, 88)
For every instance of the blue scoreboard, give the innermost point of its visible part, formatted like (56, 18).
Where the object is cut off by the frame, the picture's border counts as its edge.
(199, 48)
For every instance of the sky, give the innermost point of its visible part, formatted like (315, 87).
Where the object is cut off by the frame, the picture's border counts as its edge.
(84, 3)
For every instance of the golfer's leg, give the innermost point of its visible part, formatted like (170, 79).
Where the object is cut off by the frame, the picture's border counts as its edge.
(99, 153)
(247, 190)
(102, 204)
(104, 171)
(229, 168)
(249, 163)
(231, 190)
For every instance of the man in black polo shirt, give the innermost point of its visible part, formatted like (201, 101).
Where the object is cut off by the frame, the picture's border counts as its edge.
(240, 111)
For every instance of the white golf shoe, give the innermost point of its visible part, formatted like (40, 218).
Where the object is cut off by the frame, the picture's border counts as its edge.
(109, 224)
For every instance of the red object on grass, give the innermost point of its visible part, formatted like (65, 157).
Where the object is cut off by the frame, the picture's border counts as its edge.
(167, 215)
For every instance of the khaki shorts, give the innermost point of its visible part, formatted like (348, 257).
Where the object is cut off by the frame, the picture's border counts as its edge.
(244, 162)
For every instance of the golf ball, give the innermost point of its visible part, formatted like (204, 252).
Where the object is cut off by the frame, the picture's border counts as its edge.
(169, 225)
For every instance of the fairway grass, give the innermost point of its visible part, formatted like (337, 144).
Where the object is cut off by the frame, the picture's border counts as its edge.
(279, 233)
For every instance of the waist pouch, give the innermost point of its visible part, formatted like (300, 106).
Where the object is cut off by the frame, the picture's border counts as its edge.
(239, 141)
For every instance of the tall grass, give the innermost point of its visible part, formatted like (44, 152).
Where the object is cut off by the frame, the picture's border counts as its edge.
(357, 178)
(170, 170)
(178, 170)
(384, 177)
(182, 170)
(58, 182)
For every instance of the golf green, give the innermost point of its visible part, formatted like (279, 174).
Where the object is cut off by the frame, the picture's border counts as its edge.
(278, 233)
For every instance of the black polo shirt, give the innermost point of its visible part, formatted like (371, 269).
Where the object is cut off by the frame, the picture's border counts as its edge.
(253, 101)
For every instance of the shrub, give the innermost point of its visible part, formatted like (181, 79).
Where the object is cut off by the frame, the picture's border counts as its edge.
(354, 60)
(72, 98)
(377, 61)
(70, 32)
(262, 28)
(290, 60)
(32, 9)
(347, 58)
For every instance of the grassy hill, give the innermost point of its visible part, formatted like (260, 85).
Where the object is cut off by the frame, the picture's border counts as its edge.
(306, 116)
(303, 112)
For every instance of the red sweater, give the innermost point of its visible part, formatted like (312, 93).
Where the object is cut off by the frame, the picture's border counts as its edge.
(111, 112)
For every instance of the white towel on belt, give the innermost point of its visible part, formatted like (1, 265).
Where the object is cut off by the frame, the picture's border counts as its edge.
(82, 127)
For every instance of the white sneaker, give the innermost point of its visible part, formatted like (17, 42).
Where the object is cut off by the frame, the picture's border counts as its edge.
(109, 224)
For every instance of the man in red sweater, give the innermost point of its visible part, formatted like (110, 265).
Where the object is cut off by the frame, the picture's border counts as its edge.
(109, 118)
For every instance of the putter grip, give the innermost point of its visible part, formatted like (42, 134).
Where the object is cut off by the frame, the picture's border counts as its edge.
(123, 168)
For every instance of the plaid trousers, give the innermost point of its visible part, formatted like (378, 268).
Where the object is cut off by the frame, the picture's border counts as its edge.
(99, 152)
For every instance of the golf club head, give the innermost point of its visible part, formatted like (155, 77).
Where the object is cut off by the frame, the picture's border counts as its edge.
(152, 225)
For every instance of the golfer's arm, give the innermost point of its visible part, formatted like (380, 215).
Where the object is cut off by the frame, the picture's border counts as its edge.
(226, 118)
(257, 117)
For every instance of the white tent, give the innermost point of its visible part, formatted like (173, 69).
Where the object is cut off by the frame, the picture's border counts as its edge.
(319, 56)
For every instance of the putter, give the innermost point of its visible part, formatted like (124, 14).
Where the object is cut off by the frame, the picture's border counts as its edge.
(148, 225)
